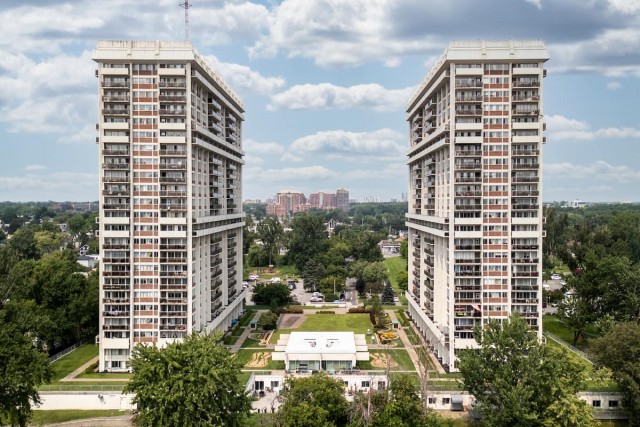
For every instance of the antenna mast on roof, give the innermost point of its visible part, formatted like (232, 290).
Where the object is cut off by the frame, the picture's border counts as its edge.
(186, 6)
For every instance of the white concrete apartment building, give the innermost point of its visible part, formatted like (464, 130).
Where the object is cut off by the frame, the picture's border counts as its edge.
(170, 197)
(475, 191)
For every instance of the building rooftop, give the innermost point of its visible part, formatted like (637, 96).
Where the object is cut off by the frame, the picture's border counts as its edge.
(156, 50)
(321, 342)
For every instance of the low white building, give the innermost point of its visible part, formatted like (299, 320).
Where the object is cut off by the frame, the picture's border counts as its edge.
(321, 351)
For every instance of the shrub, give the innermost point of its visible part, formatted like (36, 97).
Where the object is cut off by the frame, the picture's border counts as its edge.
(91, 368)
(268, 321)
(292, 310)
(360, 310)
(325, 312)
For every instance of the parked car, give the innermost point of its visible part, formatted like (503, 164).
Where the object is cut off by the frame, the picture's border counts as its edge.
(396, 299)
(555, 276)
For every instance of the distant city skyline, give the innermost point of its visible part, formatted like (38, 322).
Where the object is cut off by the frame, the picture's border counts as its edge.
(325, 86)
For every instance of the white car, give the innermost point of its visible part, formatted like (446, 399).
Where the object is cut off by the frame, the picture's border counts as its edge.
(555, 276)
(254, 277)
(396, 299)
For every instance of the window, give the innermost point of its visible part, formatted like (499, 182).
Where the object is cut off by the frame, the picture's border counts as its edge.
(365, 384)
(446, 401)
(613, 404)
(595, 403)
(432, 401)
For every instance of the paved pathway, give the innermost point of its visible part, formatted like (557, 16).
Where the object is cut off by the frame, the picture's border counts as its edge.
(413, 355)
(245, 333)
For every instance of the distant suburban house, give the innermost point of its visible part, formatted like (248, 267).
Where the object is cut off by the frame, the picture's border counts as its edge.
(88, 261)
(84, 249)
(390, 246)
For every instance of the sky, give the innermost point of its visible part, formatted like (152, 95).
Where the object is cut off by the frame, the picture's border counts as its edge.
(325, 85)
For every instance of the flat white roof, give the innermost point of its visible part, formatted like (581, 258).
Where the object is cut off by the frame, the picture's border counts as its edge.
(321, 342)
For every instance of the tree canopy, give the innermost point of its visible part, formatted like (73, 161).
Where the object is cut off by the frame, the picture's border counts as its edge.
(306, 239)
(190, 383)
(619, 350)
(517, 380)
(312, 401)
(23, 367)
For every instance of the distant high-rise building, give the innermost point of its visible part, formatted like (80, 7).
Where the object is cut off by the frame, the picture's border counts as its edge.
(287, 203)
(342, 199)
(170, 197)
(322, 200)
(475, 216)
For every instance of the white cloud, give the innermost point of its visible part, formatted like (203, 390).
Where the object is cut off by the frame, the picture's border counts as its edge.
(259, 176)
(85, 135)
(597, 171)
(56, 186)
(562, 128)
(327, 95)
(233, 21)
(335, 32)
(613, 85)
(243, 77)
(626, 6)
(536, 3)
(253, 146)
(353, 146)
(36, 167)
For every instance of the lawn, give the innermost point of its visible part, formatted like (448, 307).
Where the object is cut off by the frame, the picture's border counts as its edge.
(245, 356)
(51, 417)
(109, 375)
(555, 326)
(394, 266)
(72, 361)
(358, 323)
(400, 356)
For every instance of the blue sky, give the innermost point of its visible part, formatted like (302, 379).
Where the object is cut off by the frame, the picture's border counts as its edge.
(325, 84)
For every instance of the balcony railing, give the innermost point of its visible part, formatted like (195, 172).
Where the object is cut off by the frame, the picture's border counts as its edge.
(525, 166)
(165, 112)
(115, 112)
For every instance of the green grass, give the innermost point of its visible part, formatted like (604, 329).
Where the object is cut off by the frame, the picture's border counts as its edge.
(400, 356)
(110, 375)
(246, 318)
(244, 357)
(358, 323)
(555, 326)
(394, 266)
(559, 267)
(51, 417)
(72, 361)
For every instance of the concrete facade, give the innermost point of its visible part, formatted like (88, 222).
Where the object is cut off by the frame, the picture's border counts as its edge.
(475, 186)
(171, 221)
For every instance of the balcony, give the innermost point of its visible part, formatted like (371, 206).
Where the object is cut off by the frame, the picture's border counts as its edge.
(173, 313)
(525, 193)
(468, 206)
(179, 179)
(173, 260)
(525, 152)
(175, 166)
(115, 83)
(524, 206)
(525, 166)
(173, 207)
(116, 260)
(469, 153)
(166, 112)
(115, 111)
(113, 165)
(518, 178)
(116, 206)
(525, 260)
(526, 83)
(173, 98)
(177, 153)
(180, 84)
(164, 273)
(115, 152)
(530, 98)
(116, 98)
(525, 112)
(473, 112)
(525, 273)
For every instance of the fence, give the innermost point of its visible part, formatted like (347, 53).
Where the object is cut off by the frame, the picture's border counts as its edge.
(563, 343)
(68, 350)
(81, 387)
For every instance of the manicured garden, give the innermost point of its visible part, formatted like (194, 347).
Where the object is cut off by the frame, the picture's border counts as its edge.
(399, 360)
(394, 266)
(258, 359)
(554, 325)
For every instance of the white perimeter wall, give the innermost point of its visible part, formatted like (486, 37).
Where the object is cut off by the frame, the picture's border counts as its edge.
(85, 401)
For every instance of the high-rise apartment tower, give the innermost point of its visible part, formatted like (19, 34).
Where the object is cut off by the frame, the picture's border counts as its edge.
(475, 191)
(170, 197)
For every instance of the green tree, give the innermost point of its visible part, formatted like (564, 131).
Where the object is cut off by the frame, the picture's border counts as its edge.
(515, 378)
(619, 350)
(387, 294)
(375, 276)
(23, 368)
(256, 256)
(306, 239)
(404, 249)
(403, 280)
(405, 408)
(190, 383)
(312, 274)
(265, 293)
(270, 232)
(316, 391)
